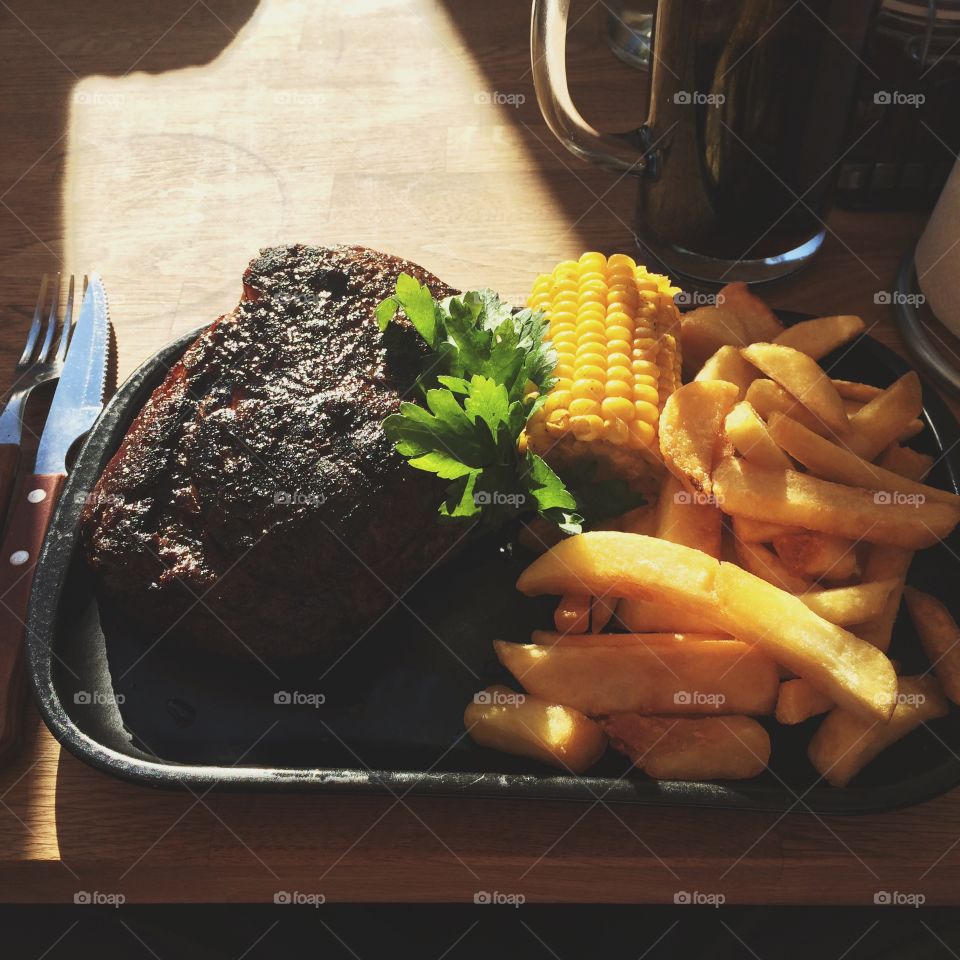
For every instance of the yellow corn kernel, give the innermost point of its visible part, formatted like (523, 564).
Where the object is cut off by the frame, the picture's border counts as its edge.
(614, 327)
(617, 408)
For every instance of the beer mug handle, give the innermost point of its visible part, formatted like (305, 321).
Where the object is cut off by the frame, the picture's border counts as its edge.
(548, 48)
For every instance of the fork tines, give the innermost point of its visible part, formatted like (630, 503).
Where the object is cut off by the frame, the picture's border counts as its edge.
(31, 355)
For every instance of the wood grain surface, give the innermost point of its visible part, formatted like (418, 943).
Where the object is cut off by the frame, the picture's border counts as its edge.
(163, 144)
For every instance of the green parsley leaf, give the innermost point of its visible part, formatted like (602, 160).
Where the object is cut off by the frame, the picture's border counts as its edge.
(474, 384)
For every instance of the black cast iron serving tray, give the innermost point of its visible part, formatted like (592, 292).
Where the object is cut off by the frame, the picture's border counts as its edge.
(388, 717)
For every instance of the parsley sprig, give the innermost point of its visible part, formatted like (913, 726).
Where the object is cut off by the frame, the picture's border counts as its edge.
(475, 404)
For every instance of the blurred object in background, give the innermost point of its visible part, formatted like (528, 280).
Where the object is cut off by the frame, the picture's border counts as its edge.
(927, 299)
(906, 130)
(748, 112)
(630, 30)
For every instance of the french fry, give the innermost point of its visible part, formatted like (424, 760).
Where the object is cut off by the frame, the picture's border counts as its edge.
(854, 390)
(691, 431)
(703, 332)
(727, 364)
(836, 662)
(642, 519)
(819, 556)
(830, 461)
(668, 676)
(601, 613)
(939, 636)
(550, 638)
(884, 419)
(744, 606)
(765, 564)
(800, 500)
(523, 725)
(767, 398)
(846, 742)
(798, 700)
(816, 338)
(660, 616)
(748, 433)
(905, 462)
(683, 748)
(680, 518)
(803, 378)
(609, 564)
(685, 519)
(759, 322)
(846, 606)
(572, 614)
(757, 531)
(884, 562)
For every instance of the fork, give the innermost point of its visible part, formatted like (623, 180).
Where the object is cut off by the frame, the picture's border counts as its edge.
(35, 366)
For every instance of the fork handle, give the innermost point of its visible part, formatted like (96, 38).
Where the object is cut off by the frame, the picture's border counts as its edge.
(9, 461)
(29, 519)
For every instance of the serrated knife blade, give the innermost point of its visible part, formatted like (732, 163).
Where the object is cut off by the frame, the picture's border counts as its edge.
(78, 399)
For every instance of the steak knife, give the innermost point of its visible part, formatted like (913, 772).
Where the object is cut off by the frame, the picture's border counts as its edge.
(76, 404)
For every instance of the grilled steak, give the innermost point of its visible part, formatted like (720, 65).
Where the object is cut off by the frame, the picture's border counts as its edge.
(255, 504)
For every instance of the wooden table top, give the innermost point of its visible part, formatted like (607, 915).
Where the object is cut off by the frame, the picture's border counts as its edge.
(163, 144)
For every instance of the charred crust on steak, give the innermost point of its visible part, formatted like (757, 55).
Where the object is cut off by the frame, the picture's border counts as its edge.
(256, 505)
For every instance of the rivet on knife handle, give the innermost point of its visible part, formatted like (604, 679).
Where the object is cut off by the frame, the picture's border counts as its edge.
(29, 519)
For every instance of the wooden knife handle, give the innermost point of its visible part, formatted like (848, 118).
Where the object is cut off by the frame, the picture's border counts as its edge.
(28, 522)
(9, 461)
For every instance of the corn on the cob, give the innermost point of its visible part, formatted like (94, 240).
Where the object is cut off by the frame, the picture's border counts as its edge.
(613, 325)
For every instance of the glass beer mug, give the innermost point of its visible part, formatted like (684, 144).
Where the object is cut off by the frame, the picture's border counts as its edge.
(748, 108)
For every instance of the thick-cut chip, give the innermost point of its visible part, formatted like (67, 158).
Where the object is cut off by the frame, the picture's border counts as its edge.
(817, 555)
(549, 638)
(628, 565)
(816, 338)
(667, 676)
(836, 662)
(642, 519)
(798, 700)
(608, 564)
(939, 636)
(572, 614)
(703, 332)
(846, 742)
(687, 519)
(684, 748)
(680, 518)
(854, 390)
(830, 461)
(884, 562)
(767, 398)
(601, 613)
(750, 438)
(757, 319)
(758, 531)
(765, 564)
(884, 419)
(846, 606)
(691, 431)
(801, 500)
(727, 364)
(518, 723)
(803, 378)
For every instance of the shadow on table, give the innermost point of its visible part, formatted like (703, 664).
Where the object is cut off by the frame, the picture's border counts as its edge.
(598, 204)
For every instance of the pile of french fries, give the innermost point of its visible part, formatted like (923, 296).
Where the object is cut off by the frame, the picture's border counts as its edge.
(764, 581)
